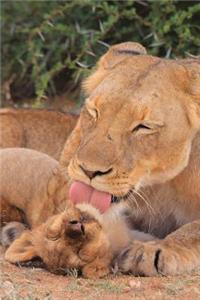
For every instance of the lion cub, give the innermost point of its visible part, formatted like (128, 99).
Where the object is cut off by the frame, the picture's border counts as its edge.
(72, 239)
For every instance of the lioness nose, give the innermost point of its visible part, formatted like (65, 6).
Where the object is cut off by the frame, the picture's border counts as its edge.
(92, 174)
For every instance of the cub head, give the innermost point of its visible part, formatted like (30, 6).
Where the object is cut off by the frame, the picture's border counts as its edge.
(60, 241)
(139, 119)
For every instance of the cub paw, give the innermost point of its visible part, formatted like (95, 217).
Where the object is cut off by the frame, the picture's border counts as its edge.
(86, 255)
(95, 270)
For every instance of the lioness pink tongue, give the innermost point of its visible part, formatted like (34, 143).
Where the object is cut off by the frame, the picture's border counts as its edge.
(81, 192)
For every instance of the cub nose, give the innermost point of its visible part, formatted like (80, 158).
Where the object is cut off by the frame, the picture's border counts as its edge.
(92, 174)
(76, 229)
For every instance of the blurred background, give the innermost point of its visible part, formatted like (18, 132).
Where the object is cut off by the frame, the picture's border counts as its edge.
(48, 47)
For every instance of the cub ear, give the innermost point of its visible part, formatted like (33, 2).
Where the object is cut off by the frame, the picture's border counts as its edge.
(113, 56)
(119, 52)
(22, 249)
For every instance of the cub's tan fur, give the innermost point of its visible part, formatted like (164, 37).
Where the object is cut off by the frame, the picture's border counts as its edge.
(71, 239)
(42, 130)
(33, 190)
(138, 137)
(32, 187)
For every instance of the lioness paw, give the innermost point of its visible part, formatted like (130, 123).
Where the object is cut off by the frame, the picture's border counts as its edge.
(153, 258)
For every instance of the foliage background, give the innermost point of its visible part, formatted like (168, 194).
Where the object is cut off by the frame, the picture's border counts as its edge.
(49, 46)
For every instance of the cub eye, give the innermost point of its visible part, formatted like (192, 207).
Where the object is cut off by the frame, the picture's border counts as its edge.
(86, 218)
(52, 236)
(141, 126)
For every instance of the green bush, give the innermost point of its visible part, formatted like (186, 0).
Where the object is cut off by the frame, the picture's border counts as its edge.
(49, 46)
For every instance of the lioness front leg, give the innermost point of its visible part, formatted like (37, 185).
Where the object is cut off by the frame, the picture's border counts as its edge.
(179, 252)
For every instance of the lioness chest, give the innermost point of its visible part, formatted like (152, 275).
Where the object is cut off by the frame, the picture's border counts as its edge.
(161, 210)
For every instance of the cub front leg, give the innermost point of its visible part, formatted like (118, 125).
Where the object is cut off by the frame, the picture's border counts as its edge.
(97, 257)
(179, 252)
(98, 268)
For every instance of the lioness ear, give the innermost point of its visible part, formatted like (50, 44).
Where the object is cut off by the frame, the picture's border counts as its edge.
(22, 249)
(113, 56)
(119, 52)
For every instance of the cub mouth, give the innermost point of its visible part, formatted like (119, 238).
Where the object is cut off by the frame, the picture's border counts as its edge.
(81, 192)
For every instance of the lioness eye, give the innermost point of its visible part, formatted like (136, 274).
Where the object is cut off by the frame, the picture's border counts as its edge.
(141, 126)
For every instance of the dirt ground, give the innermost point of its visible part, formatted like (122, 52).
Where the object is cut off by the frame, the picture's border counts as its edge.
(35, 283)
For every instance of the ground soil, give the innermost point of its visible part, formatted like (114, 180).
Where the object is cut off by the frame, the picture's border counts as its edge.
(36, 283)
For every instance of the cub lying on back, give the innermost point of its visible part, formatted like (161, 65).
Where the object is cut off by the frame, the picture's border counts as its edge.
(43, 130)
(33, 190)
(71, 239)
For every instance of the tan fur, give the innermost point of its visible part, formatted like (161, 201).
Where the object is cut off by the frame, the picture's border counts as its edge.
(42, 130)
(155, 167)
(32, 187)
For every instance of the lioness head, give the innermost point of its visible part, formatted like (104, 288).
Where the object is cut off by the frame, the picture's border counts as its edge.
(138, 122)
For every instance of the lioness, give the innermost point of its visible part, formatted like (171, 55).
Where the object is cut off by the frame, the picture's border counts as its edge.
(43, 130)
(138, 139)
